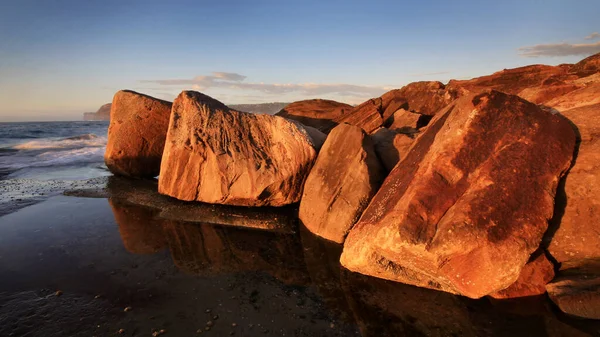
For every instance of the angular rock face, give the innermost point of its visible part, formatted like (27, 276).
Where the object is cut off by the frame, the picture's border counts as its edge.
(578, 232)
(321, 114)
(391, 146)
(469, 204)
(576, 290)
(366, 116)
(340, 185)
(404, 121)
(136, 135)
(221, 156)
(532, 280)
(425, 98)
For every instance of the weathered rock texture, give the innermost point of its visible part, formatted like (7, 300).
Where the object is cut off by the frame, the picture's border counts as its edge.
(405, 121)
(425, 98)
(577, 235)
(221, 156)
(576, 290)
(321, 114)
(346, 175)
(391, 146)
(469, 204)
(136, 135)
(532, 280)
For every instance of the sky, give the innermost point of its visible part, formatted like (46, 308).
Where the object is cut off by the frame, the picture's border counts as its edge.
(59, 59)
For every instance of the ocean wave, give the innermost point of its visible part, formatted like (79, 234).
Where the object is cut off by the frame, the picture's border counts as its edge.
(80, 141)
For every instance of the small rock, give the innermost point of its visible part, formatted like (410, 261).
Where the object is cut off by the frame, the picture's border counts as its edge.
(206, 328)
(215, 317)
(121, 331)
(234, 324)
(58, 293)
(199, 331)
(127, 309)
(210, 323)
(208, 311)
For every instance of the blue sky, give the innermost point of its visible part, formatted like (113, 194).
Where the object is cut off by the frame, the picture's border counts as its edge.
(61, 58)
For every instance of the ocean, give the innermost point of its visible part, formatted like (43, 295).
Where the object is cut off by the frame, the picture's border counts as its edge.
(53, 150)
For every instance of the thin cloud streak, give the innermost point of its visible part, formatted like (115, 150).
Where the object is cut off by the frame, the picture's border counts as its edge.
(236, 82)
(562, 49)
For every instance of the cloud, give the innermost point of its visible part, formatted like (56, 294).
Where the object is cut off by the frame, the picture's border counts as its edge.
(562, 49)
(236, 82)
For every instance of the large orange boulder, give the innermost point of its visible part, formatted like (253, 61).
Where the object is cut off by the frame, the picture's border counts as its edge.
(217, 155)
(321, 114)
(366, 115)
(391, 146)
(136, 135)
(470, 203)
(340, 185)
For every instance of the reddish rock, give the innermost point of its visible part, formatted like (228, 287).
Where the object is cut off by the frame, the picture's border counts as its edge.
(545, 93)
(576, 289)
(470, 202)
(587, 66)
(136, 135)
(341, 183)
(511, 81)
(532, 280)
(321, 114)
(404, 121)
(577, 235)
(221, 156)
(587, 95)
(391, 146)
(366, 116)
(425, 98)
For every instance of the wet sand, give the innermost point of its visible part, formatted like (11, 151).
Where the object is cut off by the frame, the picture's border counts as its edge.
(129, 262)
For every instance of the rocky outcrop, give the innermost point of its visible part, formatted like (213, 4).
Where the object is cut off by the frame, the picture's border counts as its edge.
(532, 280)
(367, 115)
(341, 183)
(424, 98)
(576, 290)
(103, 114)
(469, 204)
(321, 114)
(405, 121)
(576, 232)
(391, 146)
(221, 156)
(136, 135)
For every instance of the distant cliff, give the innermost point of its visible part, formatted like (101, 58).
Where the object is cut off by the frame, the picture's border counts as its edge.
(103, 114)
(265, 108)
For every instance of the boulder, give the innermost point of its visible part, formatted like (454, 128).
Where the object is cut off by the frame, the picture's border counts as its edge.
(576, 229)
(470, 202)
(391, 146)
(405, 121)
(425, 98)
(222, 156)
(366, 115)
(344, 178)
(576, 289)
(532, 280)
(136, 134)
(321, 114)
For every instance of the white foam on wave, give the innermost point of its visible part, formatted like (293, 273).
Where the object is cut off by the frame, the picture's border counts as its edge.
(87, 140)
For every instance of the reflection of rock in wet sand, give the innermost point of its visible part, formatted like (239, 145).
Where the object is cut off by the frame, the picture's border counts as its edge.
(145, 193)
(385, 308)
(213, 249)
(203, 248)
(322, 258)
(140, 232)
